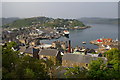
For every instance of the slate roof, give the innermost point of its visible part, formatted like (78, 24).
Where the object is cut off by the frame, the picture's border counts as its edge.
(31, 50)
(49, 52)
(22, 49)
(78, 58)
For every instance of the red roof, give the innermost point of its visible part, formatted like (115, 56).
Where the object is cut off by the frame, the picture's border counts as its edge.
(99, 40)
(65, 31)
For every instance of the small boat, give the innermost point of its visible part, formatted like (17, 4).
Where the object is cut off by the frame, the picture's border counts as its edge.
(84, 42)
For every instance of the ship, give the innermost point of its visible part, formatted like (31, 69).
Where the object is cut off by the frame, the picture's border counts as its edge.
(66, 33)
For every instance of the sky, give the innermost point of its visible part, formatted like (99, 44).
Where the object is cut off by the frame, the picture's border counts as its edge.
(60, 9)
(60, 0)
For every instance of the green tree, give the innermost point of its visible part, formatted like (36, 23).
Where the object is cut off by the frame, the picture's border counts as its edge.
(9, 60)
(112, 54)
(75, 72)
(96, 69)
(99, 69)
(19, 67)
(113, 57)
(29, 73)
(31, 68)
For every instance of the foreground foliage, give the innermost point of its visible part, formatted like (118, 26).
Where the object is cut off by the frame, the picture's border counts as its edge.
(17, 66)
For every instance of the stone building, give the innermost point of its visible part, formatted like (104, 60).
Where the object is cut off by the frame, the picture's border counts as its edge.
(51, 54)
(72, 60)
(30, 51)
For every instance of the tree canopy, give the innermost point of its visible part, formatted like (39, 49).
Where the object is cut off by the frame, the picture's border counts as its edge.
(17, 66)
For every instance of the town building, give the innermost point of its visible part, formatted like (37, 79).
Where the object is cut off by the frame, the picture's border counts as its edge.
(30, 51)
(51, 54)
(73, 60)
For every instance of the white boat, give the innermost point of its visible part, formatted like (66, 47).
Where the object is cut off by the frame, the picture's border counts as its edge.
(84, 42)
(66, 33)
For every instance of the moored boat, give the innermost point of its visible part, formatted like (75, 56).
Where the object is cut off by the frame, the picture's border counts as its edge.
(84, 42)
(66, 33)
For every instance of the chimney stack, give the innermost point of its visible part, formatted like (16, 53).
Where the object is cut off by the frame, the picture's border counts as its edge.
(69, 46)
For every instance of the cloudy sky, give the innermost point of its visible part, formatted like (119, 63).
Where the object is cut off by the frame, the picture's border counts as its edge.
(60, 9)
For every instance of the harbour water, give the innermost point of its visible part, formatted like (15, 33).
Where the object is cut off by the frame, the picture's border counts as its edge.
(95, 32)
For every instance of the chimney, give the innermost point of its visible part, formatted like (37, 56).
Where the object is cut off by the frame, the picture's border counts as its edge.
(69, 46)
(35, 53)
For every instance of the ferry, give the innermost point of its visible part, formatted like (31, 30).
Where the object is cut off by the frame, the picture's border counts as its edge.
(66, 33)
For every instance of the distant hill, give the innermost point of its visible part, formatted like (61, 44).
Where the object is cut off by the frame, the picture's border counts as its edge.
(99, 20)
(44, 21)
(8, 20)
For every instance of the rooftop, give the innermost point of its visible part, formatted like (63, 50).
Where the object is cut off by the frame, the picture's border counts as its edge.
(49, 52)
(80, 58)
